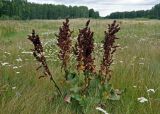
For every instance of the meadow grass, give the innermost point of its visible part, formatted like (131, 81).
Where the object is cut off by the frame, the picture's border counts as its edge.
(136, 67)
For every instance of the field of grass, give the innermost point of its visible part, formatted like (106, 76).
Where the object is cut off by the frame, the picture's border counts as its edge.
(136, 67)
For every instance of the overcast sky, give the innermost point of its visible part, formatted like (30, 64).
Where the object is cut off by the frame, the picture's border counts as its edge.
(106, 7)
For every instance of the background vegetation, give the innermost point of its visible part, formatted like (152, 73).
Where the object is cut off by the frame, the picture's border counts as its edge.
(136, 67)
(21, 9)
(154, 13)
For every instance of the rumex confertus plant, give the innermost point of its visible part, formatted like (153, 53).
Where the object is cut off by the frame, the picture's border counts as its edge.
(86, 69)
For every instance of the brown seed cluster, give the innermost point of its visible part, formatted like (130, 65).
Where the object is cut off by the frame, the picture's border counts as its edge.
(84, 48)
(109, 49)
(64, 43)
(38, 53)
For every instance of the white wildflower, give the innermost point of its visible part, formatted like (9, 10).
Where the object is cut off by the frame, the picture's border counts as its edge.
(7, 53)
(13, 88)
(135, 86)
(5, 63)
(27, 52)
(40, 55)
(101, 45)
(19, 60)
(102, 110)
(151, 90)
(118, 44)
(141, 58)
(17, 72)
(95, 44)
(121, 61)
(142, 100)
(113, 63)
(15, 67)
(141, 63)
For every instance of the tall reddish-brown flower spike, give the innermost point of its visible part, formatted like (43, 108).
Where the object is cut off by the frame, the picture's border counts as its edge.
(84, 49)
(38, 53)
(109, 49)
(64, 43)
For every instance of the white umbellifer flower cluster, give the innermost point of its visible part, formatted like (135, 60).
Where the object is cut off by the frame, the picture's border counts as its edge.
(102, 110)
(13, 88)
(5, 63)
(142, 100)
(27, 52)
(19, 60)
(141, 63)
(7, 53)
(15, 67)
(151, 90)
(121, 61)
(135, 86)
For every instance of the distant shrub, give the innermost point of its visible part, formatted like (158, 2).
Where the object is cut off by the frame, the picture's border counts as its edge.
(4, 17)
(15, 18)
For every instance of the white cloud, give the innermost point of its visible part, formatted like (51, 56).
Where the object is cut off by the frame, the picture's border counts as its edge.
(132, 1)
(106, 7)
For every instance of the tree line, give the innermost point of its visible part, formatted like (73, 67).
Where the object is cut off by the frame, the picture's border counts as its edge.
(21, 9)
(154, 13)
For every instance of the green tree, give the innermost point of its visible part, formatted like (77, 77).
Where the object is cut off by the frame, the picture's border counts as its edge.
(21, 9)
